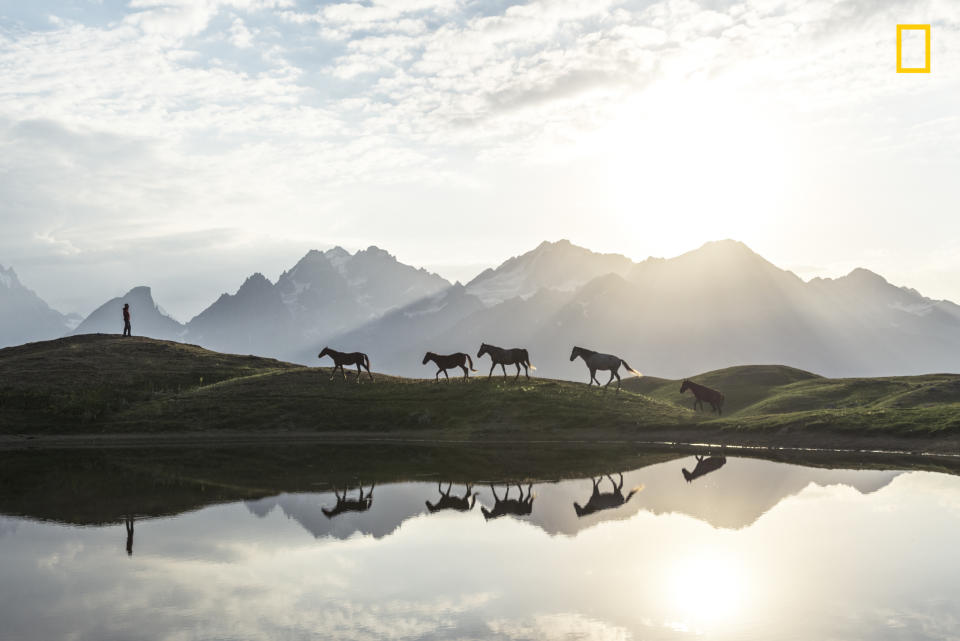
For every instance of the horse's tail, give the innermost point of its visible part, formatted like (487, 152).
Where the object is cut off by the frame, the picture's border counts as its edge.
(470, 361)
(630, 369)
(526, 359)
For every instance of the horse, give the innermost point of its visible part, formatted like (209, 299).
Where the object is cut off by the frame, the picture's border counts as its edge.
(604, 501)
(596, 360)
(701, 394)
(463, 503)
(704, 466)
(361, 504)
(346, 358)
(502, 357)
(446, 361)
(506, 505)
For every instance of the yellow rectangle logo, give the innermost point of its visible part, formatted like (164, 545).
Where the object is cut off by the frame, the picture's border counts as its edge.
(926, 42)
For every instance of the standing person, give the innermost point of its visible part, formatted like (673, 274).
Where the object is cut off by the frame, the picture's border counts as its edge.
(126, 319)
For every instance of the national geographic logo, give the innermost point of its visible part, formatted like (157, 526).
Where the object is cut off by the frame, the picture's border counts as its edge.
(925, 28)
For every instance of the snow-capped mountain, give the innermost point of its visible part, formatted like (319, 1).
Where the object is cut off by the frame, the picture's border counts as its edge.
(560, 266)
(24, 316)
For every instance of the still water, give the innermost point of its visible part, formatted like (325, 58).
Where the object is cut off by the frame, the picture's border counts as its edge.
(736, 548)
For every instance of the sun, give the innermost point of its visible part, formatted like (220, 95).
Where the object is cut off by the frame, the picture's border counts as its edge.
(693, 160)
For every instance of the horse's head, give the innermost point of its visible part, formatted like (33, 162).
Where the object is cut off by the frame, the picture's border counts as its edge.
(684, 386)
(323, 352)
(427, 357)
(576, 352)
(483, 350)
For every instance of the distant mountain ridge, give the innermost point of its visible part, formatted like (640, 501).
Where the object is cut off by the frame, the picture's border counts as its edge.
(24, 316)
(716, 306)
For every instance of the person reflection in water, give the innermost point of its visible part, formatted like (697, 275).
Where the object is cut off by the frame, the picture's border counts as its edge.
(463, 503)
(704, 466)
(128, 522)
(518, 507)
(605, 500)
(361, 504)
(126, 319)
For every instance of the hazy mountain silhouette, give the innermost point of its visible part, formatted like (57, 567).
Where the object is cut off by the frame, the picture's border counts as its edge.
(147, 318)
(323, 295)
(24, 316)
(713, 307)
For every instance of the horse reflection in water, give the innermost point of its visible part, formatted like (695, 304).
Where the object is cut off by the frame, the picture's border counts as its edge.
(518, 507)
(344, 504)
(605, 500)
(705, 465)
(128, 523)
(463, 503)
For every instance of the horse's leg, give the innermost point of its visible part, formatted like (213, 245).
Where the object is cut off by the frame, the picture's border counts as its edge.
(526, 370)
(612, 372)
(333, 372)
(518, 371)
(343, 372)
(466, 373)
(445, 374)
(492, 365)
(438, 375)
(358, 371)
(503, 368)
(618, 379)
(593, 374)
(369, 373)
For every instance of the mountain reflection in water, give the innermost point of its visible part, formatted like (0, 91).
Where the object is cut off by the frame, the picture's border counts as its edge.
(746, 549)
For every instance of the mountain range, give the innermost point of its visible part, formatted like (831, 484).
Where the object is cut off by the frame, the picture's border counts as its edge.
(719, 305)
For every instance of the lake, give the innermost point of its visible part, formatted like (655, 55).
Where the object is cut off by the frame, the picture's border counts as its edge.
(109, 546)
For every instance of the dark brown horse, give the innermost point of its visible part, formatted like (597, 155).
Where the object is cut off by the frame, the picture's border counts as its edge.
(344, 504)
(596, 360)
(506, 505)
(447, 361)
(705, 465)
(346, 358)
(463, 503)
(701, 394)
(503, 357)
(604, 500)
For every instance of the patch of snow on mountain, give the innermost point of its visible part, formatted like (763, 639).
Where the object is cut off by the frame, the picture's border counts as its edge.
(917, 309)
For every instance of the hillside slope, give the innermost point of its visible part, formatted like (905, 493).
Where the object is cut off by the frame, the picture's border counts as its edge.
(136, 386)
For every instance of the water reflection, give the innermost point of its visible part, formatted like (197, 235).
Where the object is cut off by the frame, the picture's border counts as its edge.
(604, 500)
(345, 504)
(705, 465)
(447, 501)
(761, 550)
(520, 506)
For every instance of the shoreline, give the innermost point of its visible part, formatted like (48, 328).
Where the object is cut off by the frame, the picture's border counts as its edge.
(694, 439)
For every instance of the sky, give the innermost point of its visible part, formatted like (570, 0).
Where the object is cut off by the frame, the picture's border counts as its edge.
(187, 144)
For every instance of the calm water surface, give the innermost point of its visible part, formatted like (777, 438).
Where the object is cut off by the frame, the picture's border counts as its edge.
(748, 549)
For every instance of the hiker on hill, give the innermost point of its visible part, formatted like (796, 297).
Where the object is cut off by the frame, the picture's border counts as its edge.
(126, 319)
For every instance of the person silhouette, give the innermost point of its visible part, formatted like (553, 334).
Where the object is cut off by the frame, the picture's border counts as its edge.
(126, 319)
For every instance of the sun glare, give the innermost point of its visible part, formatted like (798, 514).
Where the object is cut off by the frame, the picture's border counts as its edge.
(692, 157)
(705, 591)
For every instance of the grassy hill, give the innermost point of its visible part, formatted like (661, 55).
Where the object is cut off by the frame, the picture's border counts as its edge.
(99, 384)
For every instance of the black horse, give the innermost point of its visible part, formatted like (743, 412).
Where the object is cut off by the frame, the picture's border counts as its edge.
(596, 360)
(346, 358)
(463, 503)
(503, 357)
(447, 361)
(701, 394)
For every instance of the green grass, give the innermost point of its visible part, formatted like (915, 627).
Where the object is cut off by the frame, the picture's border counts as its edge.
(135, 386)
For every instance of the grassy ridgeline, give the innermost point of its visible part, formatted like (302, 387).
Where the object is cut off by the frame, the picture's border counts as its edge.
(108, 384)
